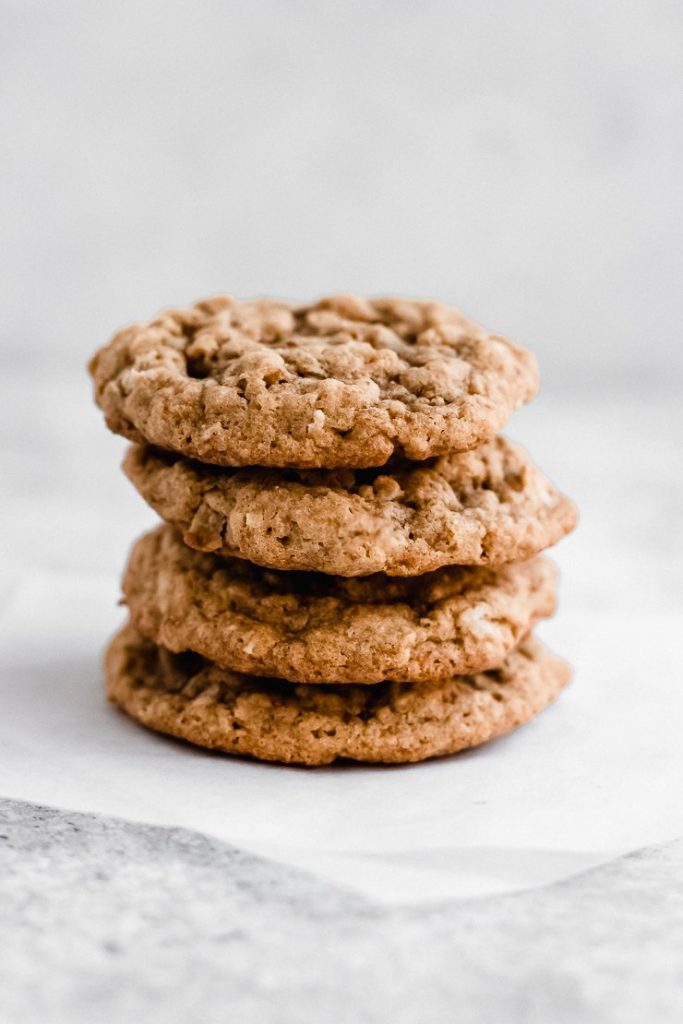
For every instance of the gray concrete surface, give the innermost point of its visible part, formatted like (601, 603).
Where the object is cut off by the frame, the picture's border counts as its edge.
(105, 921)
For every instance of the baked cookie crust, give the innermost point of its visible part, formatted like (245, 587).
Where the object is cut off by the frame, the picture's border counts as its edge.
(488, 506)
(188, 697)
(311, 628)
(346, 381)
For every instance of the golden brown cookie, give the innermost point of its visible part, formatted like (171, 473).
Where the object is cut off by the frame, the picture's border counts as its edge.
(485, 507)
(344, 382)
(311, 628)
(188, 697)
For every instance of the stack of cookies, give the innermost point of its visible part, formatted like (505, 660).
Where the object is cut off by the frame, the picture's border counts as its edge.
(349, 562)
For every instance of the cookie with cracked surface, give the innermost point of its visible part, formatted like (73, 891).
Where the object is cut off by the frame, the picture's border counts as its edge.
(190, 698)
(343, 382)
(311, 628)
(485, 507)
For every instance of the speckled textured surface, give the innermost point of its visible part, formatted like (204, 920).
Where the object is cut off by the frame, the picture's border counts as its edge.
(105, 921)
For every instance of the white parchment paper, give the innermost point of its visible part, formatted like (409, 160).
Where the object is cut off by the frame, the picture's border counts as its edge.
(597, 774)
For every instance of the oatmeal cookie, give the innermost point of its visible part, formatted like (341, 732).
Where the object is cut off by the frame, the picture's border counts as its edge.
(311, 628)
(485, 507)
(343, 382)
(187, 697)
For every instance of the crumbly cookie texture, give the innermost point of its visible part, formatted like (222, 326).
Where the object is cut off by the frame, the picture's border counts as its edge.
(188, 697)
(485, 507)
(310, 628)
(344, 382)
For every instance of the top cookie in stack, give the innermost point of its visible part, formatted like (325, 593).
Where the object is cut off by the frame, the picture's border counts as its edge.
(346, 382)
(351, 437)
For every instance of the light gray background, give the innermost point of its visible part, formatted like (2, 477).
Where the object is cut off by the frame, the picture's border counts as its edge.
(522, 160)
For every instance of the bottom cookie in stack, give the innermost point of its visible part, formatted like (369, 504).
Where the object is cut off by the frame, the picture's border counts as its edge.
(186, 696)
